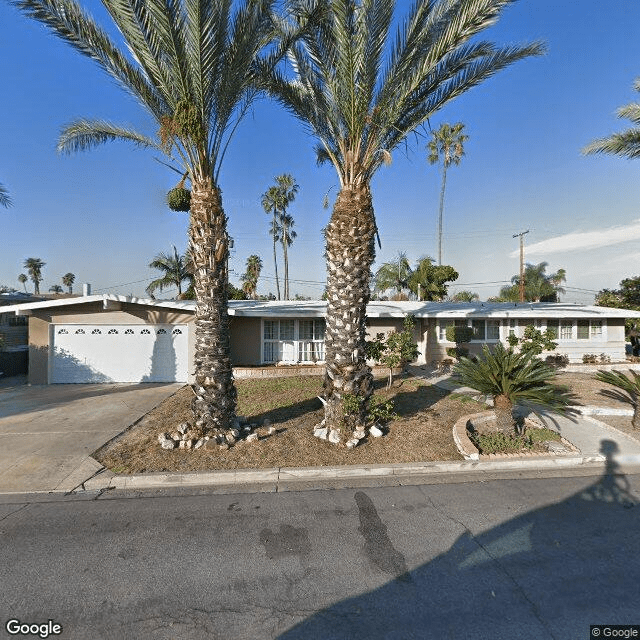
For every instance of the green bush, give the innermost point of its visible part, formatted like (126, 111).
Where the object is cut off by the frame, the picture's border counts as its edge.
(459, 334)
(499, 442)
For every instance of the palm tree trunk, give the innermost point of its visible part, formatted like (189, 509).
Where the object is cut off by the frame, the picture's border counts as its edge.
(503, 410)
(286, 261)
(635, 421)
(350, 254)
(214, 405)
(275, 258)
(441, 213)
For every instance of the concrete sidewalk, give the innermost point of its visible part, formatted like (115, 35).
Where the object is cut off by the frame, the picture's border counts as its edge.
(48, 433)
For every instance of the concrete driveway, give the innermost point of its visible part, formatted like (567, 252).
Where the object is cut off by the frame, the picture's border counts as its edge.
(48, 432)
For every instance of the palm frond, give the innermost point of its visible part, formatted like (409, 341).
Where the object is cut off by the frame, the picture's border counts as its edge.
(5, 199)
(625, 144)
(82, 135)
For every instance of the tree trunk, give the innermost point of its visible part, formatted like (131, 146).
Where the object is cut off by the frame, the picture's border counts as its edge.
(275, 260)
(635, 421)
(441, 213)
(286, 261)
(503, 410)
(214, 405)
(350, 254)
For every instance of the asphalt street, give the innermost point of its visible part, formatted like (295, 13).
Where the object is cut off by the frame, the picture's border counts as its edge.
(520, 558)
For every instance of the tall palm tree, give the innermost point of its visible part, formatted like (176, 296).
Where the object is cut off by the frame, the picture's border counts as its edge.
(271, 204)
(446, 146)
(175, 270)
(538, 285)
(627, 143)
(34, 269)
(360, 104)
(22, 279)
(5, 199)
(67, 280)
(56, 288)
(288, 189)
(191, 65)
(251, 276)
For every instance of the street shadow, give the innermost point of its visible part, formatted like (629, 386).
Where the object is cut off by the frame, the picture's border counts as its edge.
(548, 573)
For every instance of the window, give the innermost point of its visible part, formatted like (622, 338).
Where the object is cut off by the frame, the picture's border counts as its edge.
(493, 329)
(553, 328)
(293, 340)
(177, 332)
(112, 332)
(18, 321)
(583, 329)
(478, 329)
(483, 330)
(442, 329)
(512, 325)
(80, 332)
(96, 332)
(62, 332)
(145, 332)
(596, 329)
(128, 332)
(566, 330)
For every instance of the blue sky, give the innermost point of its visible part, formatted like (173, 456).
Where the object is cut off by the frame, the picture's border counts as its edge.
(102, 216)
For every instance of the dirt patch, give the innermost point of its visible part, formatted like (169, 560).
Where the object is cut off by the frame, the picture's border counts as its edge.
(589, 390)
(421, 433)
(623, 423)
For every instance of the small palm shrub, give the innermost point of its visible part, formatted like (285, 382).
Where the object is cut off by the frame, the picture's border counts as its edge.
(627, 390)
(513, 379)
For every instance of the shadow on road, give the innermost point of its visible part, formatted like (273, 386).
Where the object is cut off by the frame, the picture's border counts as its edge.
(535, 576)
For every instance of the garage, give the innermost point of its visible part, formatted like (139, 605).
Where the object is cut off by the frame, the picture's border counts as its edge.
(95, 353)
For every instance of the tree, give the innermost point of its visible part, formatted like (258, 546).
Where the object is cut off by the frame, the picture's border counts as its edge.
(465, 296)
(22, 279)
(627, 390)
(192, 66)
(175, 270)
(538, 286)
(429, 281)
(361, 104)
(393, 275)
(250, 277)
(67, 280)
(271, 206)
(512, 379)
(446, 146)
(34, 269)
(625, 144)
(626, 297)
(5, 199)
(288, 189)
(56, 288)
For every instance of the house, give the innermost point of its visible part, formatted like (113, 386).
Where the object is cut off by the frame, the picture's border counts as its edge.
(112, 338)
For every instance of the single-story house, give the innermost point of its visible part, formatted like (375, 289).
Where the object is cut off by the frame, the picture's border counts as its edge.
(113, 338)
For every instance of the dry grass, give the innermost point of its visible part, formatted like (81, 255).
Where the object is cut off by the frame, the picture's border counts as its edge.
(421, 433)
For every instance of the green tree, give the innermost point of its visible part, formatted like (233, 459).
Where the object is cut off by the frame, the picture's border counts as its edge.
(626, 297)
(465, 296)
(627, 390)
(538, 285)
(445, 147)
(361, 88)
(67, 280)
(429, 281)
(34, 269)
(191, 65)
(393, 275)
(56, 288)
(513, 379)
(175, 270)
(271, 203)
(5, 199)
(22, 279)
(251, 275)
(288, 189)
(625, 144)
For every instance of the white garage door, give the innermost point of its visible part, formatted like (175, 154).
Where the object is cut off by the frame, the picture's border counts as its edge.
(118, 353)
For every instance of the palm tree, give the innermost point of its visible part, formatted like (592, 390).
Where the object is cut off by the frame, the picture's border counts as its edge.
(393, 275)
(56, 288)
(512, 379)
(628, 390)
(465, 296)
(446, 146)
(429, 281)
(250, 277)
(271, 205)
(67, 280)
(361, 104)
(34, 269)
(175, 270)
(538, 285)
(22, 279)
(5, 199)
(191, 65)
(288, 190)
(627, 143)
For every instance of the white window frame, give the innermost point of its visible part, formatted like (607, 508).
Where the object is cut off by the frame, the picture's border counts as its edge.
(597, 329)
(442, 324)
(301, 346)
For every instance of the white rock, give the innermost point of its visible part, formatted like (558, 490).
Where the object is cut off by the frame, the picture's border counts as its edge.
(235, 433)
(352, 443)
(271, 431)
(375, 431)
(252, 437)
(246, 429)
(182, 427)
(321, 433)
(199, 443)
(230, 438)
(358, 435)
(224, 446)
(162, 437)
(182, 444)
(334, 436)
(168, 444)
(176, 436)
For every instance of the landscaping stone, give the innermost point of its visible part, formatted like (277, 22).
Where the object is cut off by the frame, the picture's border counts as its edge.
(321, 433)
(352, 443)
(359, 434)
(199, 443)
(334, 436)
(375, 431)
(252, 437)
(183, 427)
(271, 431)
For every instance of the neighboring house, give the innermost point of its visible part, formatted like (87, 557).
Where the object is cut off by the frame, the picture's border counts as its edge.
(14, 334)
(111, 338)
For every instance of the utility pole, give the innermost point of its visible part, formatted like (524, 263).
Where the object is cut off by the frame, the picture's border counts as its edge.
(521, 236)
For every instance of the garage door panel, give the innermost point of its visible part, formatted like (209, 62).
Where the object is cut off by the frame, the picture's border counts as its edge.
(119, 353)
